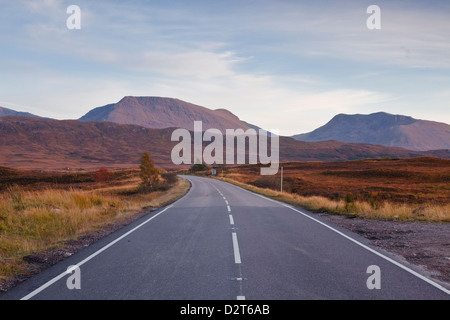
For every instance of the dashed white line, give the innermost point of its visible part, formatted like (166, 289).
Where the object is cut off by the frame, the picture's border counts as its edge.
(237, 255)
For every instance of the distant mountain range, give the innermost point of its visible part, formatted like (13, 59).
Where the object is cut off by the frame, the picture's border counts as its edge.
(38, 143)
(117, 134)
(383, 129)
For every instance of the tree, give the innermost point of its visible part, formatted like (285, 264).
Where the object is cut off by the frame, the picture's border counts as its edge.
(149, 174)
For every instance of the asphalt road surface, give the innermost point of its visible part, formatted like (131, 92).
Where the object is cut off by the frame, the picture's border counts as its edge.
(221, 242)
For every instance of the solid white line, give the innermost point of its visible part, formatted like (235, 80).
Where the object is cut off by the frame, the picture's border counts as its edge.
(231, 220)
(237, 255)
(438, 286)
(52, 281)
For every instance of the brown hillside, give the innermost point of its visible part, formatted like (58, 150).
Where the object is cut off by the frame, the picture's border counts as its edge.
(32, 143)
(36, 143)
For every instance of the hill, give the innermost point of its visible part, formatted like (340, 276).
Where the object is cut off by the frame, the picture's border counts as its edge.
(157, 112)
(38, 143)
(383, 129)
(4, 112)
(34, 143)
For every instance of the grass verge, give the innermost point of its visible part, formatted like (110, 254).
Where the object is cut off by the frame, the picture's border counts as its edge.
(35, 221)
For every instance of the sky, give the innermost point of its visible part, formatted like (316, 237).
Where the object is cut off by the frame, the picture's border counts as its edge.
(285, 65)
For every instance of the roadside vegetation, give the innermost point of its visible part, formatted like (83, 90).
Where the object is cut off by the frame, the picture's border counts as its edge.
(48, 214)
(402, 190)
(355, 208)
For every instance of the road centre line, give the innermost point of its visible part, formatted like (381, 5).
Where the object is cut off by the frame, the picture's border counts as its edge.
(237, 255)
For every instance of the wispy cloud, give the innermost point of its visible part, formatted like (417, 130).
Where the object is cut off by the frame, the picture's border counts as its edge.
(411, 36)
(282, 64)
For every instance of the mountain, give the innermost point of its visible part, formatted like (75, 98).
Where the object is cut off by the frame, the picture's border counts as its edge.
(4, 112)
(383, 129)
(157, 112)
(39, 143)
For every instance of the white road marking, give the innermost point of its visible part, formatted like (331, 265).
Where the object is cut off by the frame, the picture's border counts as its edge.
(418, 275)
(398, 264)
(237, 255)
(79, 264)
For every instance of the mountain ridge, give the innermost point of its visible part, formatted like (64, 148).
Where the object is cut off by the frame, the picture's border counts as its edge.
(378, 128)
(40, 143)
(4, 112)
(382, 128)
(162, 112)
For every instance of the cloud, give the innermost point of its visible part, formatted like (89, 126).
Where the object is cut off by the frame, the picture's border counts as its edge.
(411, 36)
(284, 65)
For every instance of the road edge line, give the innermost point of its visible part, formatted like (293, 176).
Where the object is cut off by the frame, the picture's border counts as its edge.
(396, 263)
(79, 264)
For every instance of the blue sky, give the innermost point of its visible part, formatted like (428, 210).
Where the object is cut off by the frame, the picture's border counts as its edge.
(285, 64)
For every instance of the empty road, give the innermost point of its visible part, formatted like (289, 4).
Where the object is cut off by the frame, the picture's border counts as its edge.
(220, 242)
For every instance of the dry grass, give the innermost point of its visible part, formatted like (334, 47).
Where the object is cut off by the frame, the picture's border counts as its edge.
(419, 181)
(405, 189)
(33, 221)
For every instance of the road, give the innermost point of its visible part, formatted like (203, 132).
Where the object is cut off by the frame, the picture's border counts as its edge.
(220, 242)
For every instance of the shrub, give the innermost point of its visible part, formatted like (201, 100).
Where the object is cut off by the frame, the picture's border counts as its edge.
(102, 175)
(199, 167)
(349, 200)
(168, 180)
